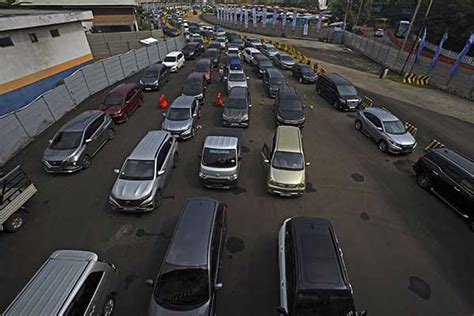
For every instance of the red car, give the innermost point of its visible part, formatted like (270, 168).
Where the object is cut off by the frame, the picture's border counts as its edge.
(121, 101)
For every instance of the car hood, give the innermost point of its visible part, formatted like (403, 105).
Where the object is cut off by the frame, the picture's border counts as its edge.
(310, 75)
(289, 63)
(237, 83)
(402, 139)
(187, 50)
(58, 155)
(235, 113)
(110, 109)
(287, 176)
(174, 126)
(169, 64)
(157, 310)
(275, 86)
(291, 115)
(131, 190)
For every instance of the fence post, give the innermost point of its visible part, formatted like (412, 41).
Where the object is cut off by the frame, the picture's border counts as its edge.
(105, 72)
(85, 81)
(49, 109)
(23, 126)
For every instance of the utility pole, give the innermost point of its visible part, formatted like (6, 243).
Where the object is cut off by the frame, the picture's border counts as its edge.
(408, 31)
(345, 15)
(358, 13)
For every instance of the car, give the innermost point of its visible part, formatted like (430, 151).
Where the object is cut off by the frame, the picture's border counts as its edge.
(253, 42)
(237, 108)
(215, 45)
(273, 79)
(207, 33)
(450, 176)
(174, 61)
(192, 50)
(122, 101)
(145, 173)
(304, 73)
(379, 33)
(269, 50)
(189, 276)
(179, 118)
(195, 37)
(261, 64)
(221, 158)
(231, 35)
(388, 132)
(214, 55)
(289, 107)
(283, 61)
(285, 163)
(249, 53)
(204, 67)
(338, 91)
(154, 77)
(70, 282)
(236, 42)
(313, 276)
(235, 78)
(73, 146)
(169, 31)
(222, 41)
(195, 86)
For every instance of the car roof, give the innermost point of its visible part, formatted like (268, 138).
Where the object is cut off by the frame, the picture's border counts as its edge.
(260, 57)
(221, 142)
(155, 67)
(337, 79)
(173, 54)
(193, 44)
(211, 49)
(461, 161)
(319, 264)
(183, 101)
(195, 76)
(288, 90)
(122, 89)
(268, 45)
(381, 114)
(205, 61)
(238, 93)
(304, 66)
(273, 72)
(149, 145)
(288, 139)
(283, 54)
(252, 50)
(81, 121)
(190, 243)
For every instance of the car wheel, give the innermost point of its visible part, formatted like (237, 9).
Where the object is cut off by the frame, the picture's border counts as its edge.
(383, 146)
(109, 306)
(125, 117)
(86, 161)
(110, 134)
(424, 180)
(175, 160)
(335, 104)
(13, 223)
(300, 80)
(358, 125)
(157, 199)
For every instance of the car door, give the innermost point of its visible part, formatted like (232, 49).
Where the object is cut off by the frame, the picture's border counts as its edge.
(95, 136)
(164, 163)
(217, 244)
(84, 302)
(372, 127)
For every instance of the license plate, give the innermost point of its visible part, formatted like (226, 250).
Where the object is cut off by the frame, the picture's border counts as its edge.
(147, 88)
(129, 209)
(285, 194)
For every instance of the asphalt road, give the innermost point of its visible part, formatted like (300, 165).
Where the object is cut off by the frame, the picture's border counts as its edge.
(406, 252)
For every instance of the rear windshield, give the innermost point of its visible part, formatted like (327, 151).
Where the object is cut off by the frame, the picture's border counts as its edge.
(286, 58)
(237, 77)
(66, 140)
(135, 169)
(113, 100)
(192, 87)
(265, 64)
(201, 67)
(288, 161)
(327, 305)
(211, 53)
(219, 158)
(170, 59)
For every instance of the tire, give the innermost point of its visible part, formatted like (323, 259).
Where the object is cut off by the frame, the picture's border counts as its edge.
(358, 125)
(424, 180)
(300, 80)
(175, 160)
(109, 306)
(86, 161)
(158, 199)
(335, 105)
(383, 146)
(14, 223)
(125, 117)
(110, 134)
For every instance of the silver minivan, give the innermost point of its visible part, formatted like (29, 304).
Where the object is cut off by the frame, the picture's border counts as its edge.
(145, 173)
(70, 282)
(179, 119)
(235, 78)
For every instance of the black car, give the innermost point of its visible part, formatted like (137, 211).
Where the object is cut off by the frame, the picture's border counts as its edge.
(304, 73)
(171, 32)
(192, 50)
(214, 55)
(338, 91)
(262, 63)
(215, 45)
(231, 35)
(313, 276)
(237, 108)
(236, 42)
(189, 276)
(154, 77)
(272, 80)
(204, 67)
(253, 42)
(450, 176)
(289, 107)
(195, 86)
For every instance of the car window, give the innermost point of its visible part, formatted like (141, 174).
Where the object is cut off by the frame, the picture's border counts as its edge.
(162, 155)
(66, 140)
(84, 296)
(373, 119)
(290, 267)
(130, 94)
(180, 56)
(94, 126)
(215, 248)
(137, 170)
(288, 161)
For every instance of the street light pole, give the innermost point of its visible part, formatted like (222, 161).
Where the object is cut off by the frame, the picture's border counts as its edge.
(408, 31)
(358, 13)
(345, 15)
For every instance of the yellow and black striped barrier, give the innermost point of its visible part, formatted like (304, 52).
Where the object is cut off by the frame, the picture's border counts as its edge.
(411, 78)
(434, 144)
(423, 80)
(366, 103)
(411, 129)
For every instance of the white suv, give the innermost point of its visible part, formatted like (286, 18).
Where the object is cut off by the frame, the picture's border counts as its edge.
(174, 61)
(249, 53)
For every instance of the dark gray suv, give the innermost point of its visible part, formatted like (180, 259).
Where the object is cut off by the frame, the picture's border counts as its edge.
(237, 108)
(188, 281)
(289, 107)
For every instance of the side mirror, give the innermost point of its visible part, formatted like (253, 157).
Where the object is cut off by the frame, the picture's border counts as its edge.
(225, 78)
(199, 155)
(194, 115)
(149, 283)
(282, 311)
(117, 171)
(50, 141)
(87, 141)
(164, 114)
(161, 172)
(250, 105)
(266, 161)
(218, 286)
(308, 163)
(379, 128)
(248, 77)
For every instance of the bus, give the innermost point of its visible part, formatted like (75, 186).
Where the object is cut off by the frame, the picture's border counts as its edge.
(401, 29)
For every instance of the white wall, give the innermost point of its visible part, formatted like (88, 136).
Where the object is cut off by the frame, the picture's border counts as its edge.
(25, 57)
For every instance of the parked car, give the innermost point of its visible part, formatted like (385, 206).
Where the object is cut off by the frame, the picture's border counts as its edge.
(145, 173)
(73, 146)
(233, 63)
(189, 277)
(273, 79)
(220, 158)
(313, 276)
(379, 33)
(122, 101)
(222, 41)
(304, 73)
(192, 50)
(233, 51)
(215, 45)
(195, 86)
(154, 77)
(388, 132)
(269, 50)
(236, 42)
(289, 107)
(204, 67)
(262, 63)
(253, 42)
(174, 61)
(285, 163)
(249, 53)
(70, 282)
(235, 78)
(338, 91)
(196, 37)
(450, 176)
(179, 119)
(283, 61)
(169, 31)
(237, 108)
(214, 55)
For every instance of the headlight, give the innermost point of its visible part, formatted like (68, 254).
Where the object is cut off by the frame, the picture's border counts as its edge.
(202, 175)
(233, 177)
(73, 161)
(393, 143)
(188, 131)
(301, 185)
(280, 118)
(225, 117)
(145, 199)
(245, 117)
(156, 81)
(141, 81)
(271, 182)
(199, 96)
(191, 53)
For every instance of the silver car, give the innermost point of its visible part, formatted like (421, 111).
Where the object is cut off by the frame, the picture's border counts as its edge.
(269, 50)
(236, 78)
(74, 145)
(145, 173)
(179, 119)
(283, 61)
(386, 129)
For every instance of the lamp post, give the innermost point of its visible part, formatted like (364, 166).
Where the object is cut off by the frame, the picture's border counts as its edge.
(408, 31)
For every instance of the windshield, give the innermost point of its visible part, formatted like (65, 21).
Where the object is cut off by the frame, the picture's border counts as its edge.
(236, 103)
(211, 53)
(150, 74)
(236, 41)
(237, 77)
(192, 87)
(265, 64)
(346, 90)
(307, 70)
(184, 287)
(219, 158)
(66, 140)
(189, 47)
(286, 58)
(276, 81)
(170, 59)
(201, 67)
(327, 305)
(394, 127)
(271, 49)
(288, 161)
(220, 40)
(291, 105)
(138, 170)
(178, 114)
(113, 100)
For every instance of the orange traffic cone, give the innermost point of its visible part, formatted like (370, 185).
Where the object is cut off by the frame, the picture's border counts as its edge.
(163, 102)
(220, 102)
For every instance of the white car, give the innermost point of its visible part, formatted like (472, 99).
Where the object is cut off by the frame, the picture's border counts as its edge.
(379, 33)
(233, 50)
(249, 53)
(174, 61)
(235, 78)
(222, 41)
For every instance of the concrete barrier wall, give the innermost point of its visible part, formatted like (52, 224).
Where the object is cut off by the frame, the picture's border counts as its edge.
(22, 126)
